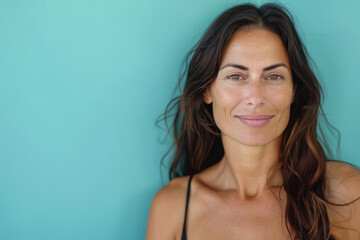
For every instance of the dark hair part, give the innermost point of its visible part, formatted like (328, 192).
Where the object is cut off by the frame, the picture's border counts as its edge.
(197, 141)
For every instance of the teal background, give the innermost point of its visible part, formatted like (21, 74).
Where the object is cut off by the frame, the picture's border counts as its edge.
(81, 85)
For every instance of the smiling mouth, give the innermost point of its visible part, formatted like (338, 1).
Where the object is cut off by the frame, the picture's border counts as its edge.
(255, 120)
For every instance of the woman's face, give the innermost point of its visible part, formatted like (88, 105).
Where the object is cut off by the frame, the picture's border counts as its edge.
(252, 94)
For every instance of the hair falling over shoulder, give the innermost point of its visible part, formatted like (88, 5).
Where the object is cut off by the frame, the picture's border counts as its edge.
(197, 143)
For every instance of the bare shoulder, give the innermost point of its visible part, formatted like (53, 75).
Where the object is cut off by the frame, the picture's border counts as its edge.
(344, 189)
(167, 210)
(343, 180)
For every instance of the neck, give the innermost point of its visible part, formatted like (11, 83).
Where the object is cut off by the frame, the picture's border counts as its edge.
(252, 170)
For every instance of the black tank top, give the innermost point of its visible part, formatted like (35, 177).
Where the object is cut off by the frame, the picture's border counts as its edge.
(183, 237)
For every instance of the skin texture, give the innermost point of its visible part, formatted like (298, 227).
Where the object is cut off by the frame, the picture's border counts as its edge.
(237, 92)
(240, 197)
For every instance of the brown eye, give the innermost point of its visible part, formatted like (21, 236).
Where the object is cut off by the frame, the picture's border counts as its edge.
(235, 77)
(275, 77)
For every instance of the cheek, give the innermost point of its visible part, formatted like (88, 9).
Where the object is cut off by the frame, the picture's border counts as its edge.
(282, 99)
(224, 100)
(282, 103)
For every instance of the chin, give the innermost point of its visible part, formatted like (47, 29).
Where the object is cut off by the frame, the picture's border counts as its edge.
(258, 140)
(251, 138)
(255, 143)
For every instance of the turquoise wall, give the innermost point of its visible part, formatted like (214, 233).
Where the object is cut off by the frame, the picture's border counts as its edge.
(81, 85)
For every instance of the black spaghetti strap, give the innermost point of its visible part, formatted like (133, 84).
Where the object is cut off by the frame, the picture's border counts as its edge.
(186, 208)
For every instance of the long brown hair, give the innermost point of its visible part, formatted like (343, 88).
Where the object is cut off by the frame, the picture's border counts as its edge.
(197, 142)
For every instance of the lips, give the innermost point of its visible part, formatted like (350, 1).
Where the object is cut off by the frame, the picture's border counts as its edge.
(255, 120)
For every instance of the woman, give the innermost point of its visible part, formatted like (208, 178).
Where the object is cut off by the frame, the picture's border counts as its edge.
(247, 138)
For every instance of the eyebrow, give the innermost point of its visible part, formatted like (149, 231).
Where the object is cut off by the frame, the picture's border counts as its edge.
(246, 69)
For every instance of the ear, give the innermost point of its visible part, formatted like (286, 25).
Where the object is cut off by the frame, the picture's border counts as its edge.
(207, 97)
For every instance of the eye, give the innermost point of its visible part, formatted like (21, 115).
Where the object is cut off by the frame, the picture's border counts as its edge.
(275, 77)
(235, 77)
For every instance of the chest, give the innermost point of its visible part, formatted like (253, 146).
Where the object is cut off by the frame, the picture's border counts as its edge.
(231, 218)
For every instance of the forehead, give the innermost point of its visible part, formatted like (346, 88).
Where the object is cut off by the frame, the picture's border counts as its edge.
(255, 47)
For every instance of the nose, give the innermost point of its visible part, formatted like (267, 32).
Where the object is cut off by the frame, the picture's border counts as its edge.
(255, 94)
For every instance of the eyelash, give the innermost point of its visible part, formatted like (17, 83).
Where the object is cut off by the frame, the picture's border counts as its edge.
(234, 75)
(279, 77)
